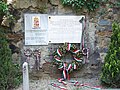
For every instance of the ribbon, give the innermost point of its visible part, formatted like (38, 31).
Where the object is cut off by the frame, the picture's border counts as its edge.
(76, 83)
(78, 59)
(61, 80)
(59, 53)
(66, 70)
(69, 68)
(61, 67)
(75, 51)
(75, 66)
(61, 87)
(57, 59)
(68, 47)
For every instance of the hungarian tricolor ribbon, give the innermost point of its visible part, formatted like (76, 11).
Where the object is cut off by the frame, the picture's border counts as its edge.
(61, 80)
(77, 84)
(68, 69)
(59, 52)
(65, 70)
(78, 59)
(68, 46)
(75, 51)
(75, 66)
(61, 67)
(57, 59)
(61, 87)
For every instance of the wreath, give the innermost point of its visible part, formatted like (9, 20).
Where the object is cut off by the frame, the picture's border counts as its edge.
(77, 55)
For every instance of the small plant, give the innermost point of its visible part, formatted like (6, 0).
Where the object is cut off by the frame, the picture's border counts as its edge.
(90, 5)
(111, 68)
(3, 10)
(3, 7)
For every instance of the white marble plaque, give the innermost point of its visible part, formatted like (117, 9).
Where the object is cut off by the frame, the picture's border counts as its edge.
(64, 29)
(36, 29)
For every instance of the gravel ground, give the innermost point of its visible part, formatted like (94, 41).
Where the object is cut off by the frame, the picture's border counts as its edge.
(45, 84)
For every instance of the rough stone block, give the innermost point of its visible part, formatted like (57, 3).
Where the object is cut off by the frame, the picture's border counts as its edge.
(102, 56)
(17, 27)
(104, 22)
(55, 2)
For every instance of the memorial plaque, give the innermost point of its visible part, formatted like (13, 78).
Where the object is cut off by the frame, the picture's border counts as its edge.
(41, 29)
(36, 29)
(64, 29)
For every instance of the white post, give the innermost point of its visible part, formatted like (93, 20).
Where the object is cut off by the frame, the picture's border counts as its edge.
(25, 76)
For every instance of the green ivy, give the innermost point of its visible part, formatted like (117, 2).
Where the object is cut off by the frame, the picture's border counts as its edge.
(111, 68)
(3, 8)
(90, 5)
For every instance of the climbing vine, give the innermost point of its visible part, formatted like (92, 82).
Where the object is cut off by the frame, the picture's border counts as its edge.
(90, 5)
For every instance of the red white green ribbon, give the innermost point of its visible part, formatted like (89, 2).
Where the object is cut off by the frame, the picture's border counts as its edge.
(61, 67)
(57, 59)
(78, 59)
(76, 83)
(68, 47)
(75, 51)
(59, 53)
(75, 66)
(61, 80)
(65, 70)
(61, 87)
(69, 67)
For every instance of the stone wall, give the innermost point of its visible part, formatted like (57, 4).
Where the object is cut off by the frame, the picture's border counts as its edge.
(97, 35)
